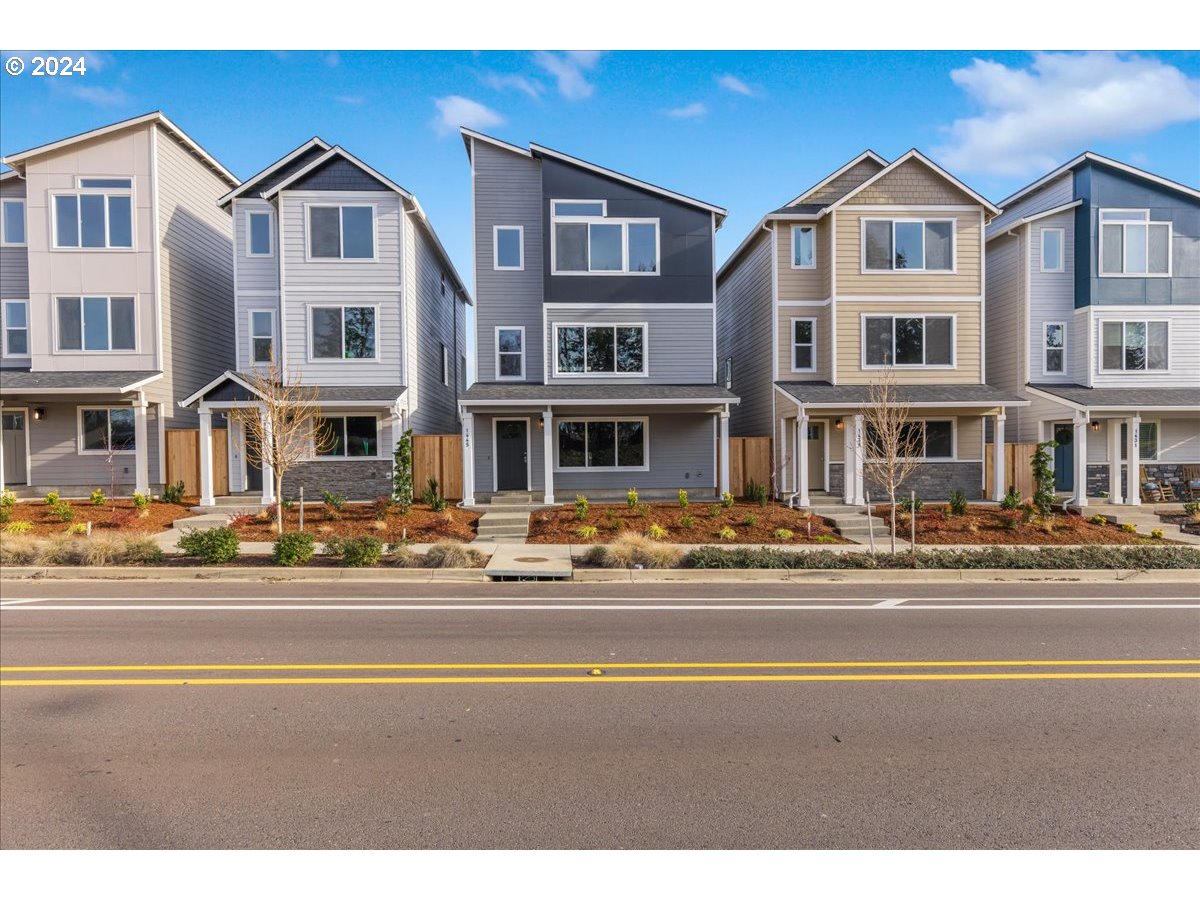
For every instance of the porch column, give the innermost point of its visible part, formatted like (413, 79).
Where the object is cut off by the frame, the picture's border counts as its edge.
(859, 499)
(724, 454)
(847, 460)
(548, 454)
(781, 466)
(141, 449)
(1115, 494)
(1079, 500)
(802, 460)
(268, 470)
(468, 458)
(206, 460)
(1133, 475)
(999, 489)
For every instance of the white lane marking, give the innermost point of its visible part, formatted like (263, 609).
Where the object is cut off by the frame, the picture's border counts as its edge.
(889, 604)
(574, 607)
(31, 600)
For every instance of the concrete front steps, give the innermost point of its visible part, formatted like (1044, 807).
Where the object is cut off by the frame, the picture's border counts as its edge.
(249, 504)
(504, 519)
(1145, 517)
(851, 521)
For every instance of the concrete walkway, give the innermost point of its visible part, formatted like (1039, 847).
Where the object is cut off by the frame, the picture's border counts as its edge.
(517, 561)
(1144, 516)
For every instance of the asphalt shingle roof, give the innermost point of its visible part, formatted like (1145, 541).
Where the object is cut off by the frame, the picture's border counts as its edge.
(822, 392)
(1185, 398)
(20, 382)
(526, 392)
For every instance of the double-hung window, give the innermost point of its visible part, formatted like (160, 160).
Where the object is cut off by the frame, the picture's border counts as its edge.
(1134, 346)
(96, 323)
(508, 248)
(347, 436)
(585, 241)
(510, 353)
(919, 439)
(804, 338)
(1054, 341)
(618, 444)
(12, 223)
(920, 245)
(16, 327)
(98, 215)
(600, 349)
(908, 341)
(804, 247)
(101, 428)
(341, 232)
(1147, 440)
(1130, 244)
(343, 332)
(262, 336)
(1052, 250)
(259, 241)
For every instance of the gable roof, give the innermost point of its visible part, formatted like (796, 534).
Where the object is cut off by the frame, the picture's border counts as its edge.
(334, 152)
(272, 168)
(151, 118)
(866, 154)
(1089, 156)
(921, 158)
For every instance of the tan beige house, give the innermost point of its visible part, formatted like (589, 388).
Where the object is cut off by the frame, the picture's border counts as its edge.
(880, 265)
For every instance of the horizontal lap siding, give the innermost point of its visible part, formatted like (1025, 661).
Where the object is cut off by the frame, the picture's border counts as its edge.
(14, 261)
(1184, 353)
(255, 273)
(340, 273)
(744, 332)
(55, 460)
(1056, 193)
(385, 369)
(1052, 298)
(432, 320)
(849, 338)
(803, 284)
(1005, 312)
(965, 282)
(821, 342)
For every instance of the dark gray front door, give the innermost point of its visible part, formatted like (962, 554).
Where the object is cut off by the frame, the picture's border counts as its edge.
(14, 449)
(512, 460)
(1064, 457)
(253, 466)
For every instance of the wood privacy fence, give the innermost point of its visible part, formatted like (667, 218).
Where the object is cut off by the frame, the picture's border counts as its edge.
(438, 456)
(183, 460)
(1017, 469)
(749, 460)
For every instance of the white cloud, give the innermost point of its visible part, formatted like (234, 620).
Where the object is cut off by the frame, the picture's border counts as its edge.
(96, 94)
(1032, 119)
(691, 111)
(735, 84)
(568, 70)
(499, 82)
(351, 99)
(454, 111)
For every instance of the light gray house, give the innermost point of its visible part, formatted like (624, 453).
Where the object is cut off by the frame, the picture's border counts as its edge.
(342, 281)
(595, 332)
(116, 282)
(1093, 313)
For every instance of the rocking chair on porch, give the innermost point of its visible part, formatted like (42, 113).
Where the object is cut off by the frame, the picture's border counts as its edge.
(1154, 491)
(1191, 482)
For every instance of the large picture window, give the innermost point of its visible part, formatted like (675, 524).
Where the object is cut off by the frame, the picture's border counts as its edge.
(1134, 346)
(921, 245)
(908, 341)
(98, 216)
(96, 323)
(804, 337)
(585, 241)
(600, 349)
(931, 438)
(103, 427)
(343, 332)
(341, 232)
(1130, 244)
(618, 444)
(348, 436)
(510, 353)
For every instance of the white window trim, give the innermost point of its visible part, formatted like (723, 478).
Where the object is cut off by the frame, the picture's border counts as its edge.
(794, 345)
(520, 230)
(445, 366)
(1124, 371)
(813, 229)
(644, 326)
(324, 414)
(26, 328)
(1062, 250)
(1146, 221)
(496, 345)
(862, 238)
(953, 317)
(557, 200)
(645, 467)
(341, 258)
(308, 349)
(1046, 348)
(270, 254)
(79, 191)
(604, 220)
(1124, 455)
(251, 336)
(80, 451)
(953, 457)
(137, 338)
(4, 241)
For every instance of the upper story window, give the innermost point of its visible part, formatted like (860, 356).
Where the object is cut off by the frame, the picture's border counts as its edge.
(600, 349)
(96, 216)
(341, 232)
(16, 327)
(803, 247)
(1130, 244)
(1052, 250)
(508, 248)
(262, 336)
(259, 241)
(1134, 346)
(343, 332)
(12, 223)
(911, 245)
(908, 341)
(1054, 338)
(96, 323)
(585, 241)
(510, 353)
(804, 338)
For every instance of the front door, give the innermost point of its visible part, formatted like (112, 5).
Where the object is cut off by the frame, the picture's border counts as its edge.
(14, 449)
(816, 456)
(512, 455)
(253, 464)
(1064, 457)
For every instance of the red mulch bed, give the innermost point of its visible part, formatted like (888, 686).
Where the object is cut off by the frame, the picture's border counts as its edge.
(113, 517)
(991, 525)
(559, 525)
(421, 524)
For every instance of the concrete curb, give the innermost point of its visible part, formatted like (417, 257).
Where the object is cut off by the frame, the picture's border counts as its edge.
(233, 573)
(870, 576)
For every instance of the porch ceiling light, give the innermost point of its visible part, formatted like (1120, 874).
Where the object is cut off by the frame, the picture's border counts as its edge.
(39, 413)
(1096, 425)
(839, 424)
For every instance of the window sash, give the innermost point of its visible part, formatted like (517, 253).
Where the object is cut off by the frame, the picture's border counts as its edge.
(259, 240)
(1147, 441)
(1139, 345)
(351, 242)
(1053, 258)
(907, 245)
(102, 427)
(93, 219)
(350, 330)
(602, 444)
(16, 325)
(803, 249)
(509, 243)
(262, 336)
(96, 324)
(351, 437)
(597, 245)
(13, 223)
(510, 353)
(918, 430)
(618, 349)
(1054, 346)
(908, 344)
(1132, 245)
(804, 339)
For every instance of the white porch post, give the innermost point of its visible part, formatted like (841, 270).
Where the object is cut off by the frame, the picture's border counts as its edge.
(858, 460)
(206, 460)
(1133, 475)
(548, 454)
(802, 460)
(268, 470)
(1079, 500)
(141, 448)
(724, 476)
(999, 489)
(781, 466)
(1115, 494)
(27, 478)
(468, 455)
(847, 460)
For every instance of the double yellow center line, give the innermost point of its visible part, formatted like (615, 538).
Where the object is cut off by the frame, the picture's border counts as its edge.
(600, 673)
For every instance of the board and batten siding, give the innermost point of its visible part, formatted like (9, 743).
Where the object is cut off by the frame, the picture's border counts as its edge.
(744, 332)
(966, 337)
(1005, 311)
(431, 324)
(255, 273)
(804, 284)
(1052, 298)
(853, 280)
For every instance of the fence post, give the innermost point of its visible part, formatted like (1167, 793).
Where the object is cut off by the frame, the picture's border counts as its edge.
(870, 524)
(301, 507)
(913, 520)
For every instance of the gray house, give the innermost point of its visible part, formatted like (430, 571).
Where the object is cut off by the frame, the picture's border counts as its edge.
(595, 332)
(1093, 313)
(342, 282)
(116, 282)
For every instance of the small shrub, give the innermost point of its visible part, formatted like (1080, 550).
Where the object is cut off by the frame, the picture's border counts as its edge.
(59, 551)
(173, 493)
(293, 548)
(334, 503)
(683, 499)
(750, 520)
(18, 551)
(1156, 534)
(581, 508)
(18, 528)
(98, 497)
(1098, 519)
(714, 510)
(783, 534)
(911, 504)
(656, 532)
(452, 555)
(141, 502)
(1011, 500)
(727, 534)
(958, 503)
(122, 518)
(8, 499)
(826, 539)
(1012, 524)
(63, 511)
(687, 521)
(52, 498)
(727, 499)
(586, 532)
(212, 545)
(756, 492)
(433, 495)
(1192, 508)
(1028, 513)
(402, 555)
(5, 515)
(1129, 528)
(631, 498)
(381, 507)
(78, 528)
(1047, 525)
(642, 511)
(244, 519)
(140, 551)
(633, 551)
(356, 552)
(972, 528)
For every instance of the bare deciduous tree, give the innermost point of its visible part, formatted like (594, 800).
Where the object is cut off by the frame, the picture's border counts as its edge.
(894, 443)
(282, 426)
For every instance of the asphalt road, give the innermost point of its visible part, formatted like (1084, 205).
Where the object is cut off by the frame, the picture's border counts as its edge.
(464, 716)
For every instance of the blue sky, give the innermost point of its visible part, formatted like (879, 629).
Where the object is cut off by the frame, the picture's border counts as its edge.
(745, 130)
